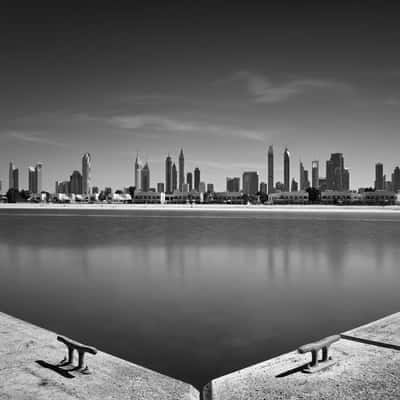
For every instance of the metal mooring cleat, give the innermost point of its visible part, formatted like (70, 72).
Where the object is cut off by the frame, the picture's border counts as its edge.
(81, 350)
(326, 361)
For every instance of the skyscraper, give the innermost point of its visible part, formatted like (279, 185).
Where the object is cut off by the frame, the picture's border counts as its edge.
(270, 170)
(250, 182)
(31, 180)
(189, 181)
(168, 175)
(233, 184)
(174, 178)
(196, 179)
(86, 173)
(137, 170)
(15, 178)
(145, 178)
(181, 170)
(379, 182)
(286, 169)
(302, 177)
(335, 172)
(346, 179)
(38, 177)
(315, 174)
(11, 175)
(396, 179)
(76, 183)
(294, 186)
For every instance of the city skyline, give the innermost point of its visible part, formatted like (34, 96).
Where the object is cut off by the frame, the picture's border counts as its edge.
(336, 177)
(308, 78)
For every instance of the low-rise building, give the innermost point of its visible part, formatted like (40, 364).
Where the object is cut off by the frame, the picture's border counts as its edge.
(288, 197)
(379, 197)
(340, 197)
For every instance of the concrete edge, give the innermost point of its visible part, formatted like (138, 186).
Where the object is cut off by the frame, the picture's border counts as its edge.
(370, 342)
(194, 391)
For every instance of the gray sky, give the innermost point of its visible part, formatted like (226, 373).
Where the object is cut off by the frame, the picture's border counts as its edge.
(223, 81)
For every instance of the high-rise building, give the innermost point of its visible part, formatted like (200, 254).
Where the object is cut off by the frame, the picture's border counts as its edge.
(302, 177)
(145, 178)
(315, 174)
(263, 188)
(174, 178)
(138, 173)
(210, 187)
(270, 170)
(11, 183)
(185, 188)
(38, 178)
(76, 183)
(379, 182)
(335, 172)
(168, 175)
(294, 186)
(233, 184)
(250, 182)
(86, 173)
(31, 180)
(189, 181)
(202, 187)
(181, 170)
(306, 180)
(346, 179)
(286, 169)
(196, 179)
(15, 175)
(396, 179)
(160, 187)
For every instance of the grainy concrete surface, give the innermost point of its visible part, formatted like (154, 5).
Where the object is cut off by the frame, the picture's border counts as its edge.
(21, 377)
(362, 371)
(384, 332)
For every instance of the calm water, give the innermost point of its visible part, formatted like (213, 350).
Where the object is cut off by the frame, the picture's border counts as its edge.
(198, 295)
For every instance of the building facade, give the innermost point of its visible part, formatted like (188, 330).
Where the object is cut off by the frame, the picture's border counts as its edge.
(250, 182)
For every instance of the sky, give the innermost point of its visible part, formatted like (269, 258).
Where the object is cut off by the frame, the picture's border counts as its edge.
(222, 80)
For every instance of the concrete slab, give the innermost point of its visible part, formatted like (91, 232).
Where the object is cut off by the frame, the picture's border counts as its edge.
(361, 372)
(384, 332)
(21, 377)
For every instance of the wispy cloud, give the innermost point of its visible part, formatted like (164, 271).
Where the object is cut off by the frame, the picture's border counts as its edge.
(33, 138)
(160, 123)
(263, 90)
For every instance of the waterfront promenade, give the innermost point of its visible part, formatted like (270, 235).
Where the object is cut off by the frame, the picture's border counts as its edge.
(367, 367)
(259, 208)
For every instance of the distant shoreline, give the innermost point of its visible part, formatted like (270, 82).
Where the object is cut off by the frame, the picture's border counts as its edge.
(201, 207)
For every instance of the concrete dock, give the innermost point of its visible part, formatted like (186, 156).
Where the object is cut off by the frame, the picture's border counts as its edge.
(367, 366)
(22, 345)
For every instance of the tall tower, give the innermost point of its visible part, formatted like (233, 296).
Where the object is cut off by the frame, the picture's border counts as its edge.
(196, 179)
(181, 170)
(168, 175)
(379, 184)
(145, 178)
(31, 180)
(302, 177)
(286, 170)
(11, 176)
(315, 174)
(174, 178)
(270, 170)
(38, 177)
(189, 181)
(138, 170)
(86, 184)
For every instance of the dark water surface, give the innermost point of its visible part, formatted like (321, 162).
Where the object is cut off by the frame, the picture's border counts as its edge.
(197, 295)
